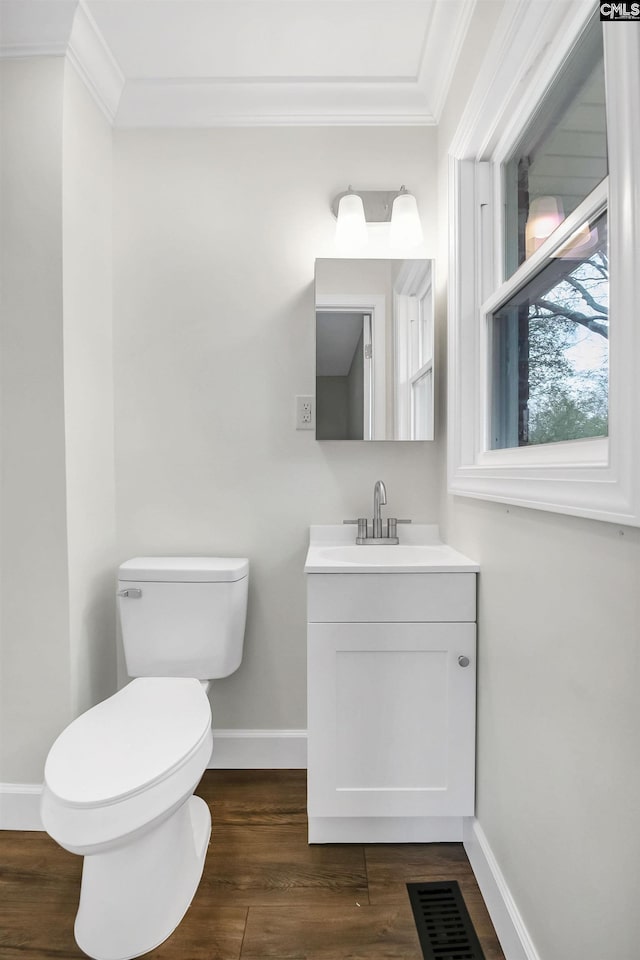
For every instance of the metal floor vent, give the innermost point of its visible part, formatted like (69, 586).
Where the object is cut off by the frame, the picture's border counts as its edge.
(443, 923)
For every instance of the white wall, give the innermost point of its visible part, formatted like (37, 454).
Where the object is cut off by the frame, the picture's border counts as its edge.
(558, 704)
(558, 721)
(216, 234)
(88, 393)
(57, 412)
(35, 667)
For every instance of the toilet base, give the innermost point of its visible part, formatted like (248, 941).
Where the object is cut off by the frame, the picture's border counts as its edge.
(134, 897)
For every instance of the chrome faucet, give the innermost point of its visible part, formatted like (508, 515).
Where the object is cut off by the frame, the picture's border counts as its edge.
(377, 534)
(379, 497)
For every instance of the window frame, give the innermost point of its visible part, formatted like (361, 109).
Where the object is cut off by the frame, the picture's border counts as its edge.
(599, 477)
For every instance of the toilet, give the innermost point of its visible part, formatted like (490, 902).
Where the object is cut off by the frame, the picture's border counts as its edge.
(119, 781)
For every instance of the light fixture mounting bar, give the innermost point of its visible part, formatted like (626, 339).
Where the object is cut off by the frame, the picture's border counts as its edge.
(377, 204)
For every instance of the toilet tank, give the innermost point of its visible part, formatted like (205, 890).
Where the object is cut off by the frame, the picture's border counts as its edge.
(183, 616)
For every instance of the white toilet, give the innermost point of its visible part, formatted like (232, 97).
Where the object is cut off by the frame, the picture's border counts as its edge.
(119, 780)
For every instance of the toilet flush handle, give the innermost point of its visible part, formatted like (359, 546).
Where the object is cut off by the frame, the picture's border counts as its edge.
(134, 593)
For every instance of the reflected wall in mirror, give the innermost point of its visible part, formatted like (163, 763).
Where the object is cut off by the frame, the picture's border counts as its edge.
(374, 350)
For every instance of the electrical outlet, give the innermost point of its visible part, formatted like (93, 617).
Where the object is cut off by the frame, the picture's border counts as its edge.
(305, 413)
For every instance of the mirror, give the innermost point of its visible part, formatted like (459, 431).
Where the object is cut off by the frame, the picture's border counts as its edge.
(374, 350)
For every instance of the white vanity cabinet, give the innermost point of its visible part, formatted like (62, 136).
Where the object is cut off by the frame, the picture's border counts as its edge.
(391, 704)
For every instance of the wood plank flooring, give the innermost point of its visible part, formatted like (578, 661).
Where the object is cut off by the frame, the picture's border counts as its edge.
(265, 893)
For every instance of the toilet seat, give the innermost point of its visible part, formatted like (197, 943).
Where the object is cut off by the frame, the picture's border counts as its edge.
(127, 763)
(128, 742)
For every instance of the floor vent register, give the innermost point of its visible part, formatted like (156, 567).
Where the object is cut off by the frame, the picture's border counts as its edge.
(443, 923)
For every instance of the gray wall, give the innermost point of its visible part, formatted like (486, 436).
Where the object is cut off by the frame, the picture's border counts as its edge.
(214, 337)
(332, 408)
(558, 704)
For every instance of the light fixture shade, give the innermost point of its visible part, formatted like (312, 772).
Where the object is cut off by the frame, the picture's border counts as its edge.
(406, 229)
(545, 214)
(351, 227)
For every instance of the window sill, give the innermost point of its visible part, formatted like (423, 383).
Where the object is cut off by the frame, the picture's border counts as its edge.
(593, 499)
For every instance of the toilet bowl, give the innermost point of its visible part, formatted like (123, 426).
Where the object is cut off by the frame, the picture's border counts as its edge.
(118, 791)
(119, 781)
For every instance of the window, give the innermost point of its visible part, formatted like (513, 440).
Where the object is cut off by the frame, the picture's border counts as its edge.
(548, 367)
(413, 336)
(544, 339)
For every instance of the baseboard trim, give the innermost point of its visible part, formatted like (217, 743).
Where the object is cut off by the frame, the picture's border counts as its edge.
(259, 750)
(232, 750)
(513, 935)
(20, 806)
(385, 829)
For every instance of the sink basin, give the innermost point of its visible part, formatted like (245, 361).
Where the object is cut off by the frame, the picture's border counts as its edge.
(342, 555)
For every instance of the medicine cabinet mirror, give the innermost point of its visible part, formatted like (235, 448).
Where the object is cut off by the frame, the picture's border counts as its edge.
(374, 349)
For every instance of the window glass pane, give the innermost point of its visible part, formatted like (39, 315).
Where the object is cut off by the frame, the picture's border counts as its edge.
(562, 156)
(549, 346)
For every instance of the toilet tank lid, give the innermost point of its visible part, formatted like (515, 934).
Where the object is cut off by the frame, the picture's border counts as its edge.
(185, 569)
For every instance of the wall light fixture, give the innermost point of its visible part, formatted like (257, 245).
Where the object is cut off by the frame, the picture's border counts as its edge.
(353, 209)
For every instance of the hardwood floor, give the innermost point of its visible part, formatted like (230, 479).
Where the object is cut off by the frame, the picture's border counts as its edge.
(265, 893)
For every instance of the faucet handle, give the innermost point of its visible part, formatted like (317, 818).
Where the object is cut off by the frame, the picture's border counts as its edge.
(362, 527)
(392, 527)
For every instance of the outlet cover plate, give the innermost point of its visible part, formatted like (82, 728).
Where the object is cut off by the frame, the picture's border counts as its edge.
(305, 413)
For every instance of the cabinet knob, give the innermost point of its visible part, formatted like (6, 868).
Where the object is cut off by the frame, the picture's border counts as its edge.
(463, 661)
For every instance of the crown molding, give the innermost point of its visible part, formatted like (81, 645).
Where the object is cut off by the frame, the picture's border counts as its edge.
(92, 59)
(22, 51)
(63, 28)
(447, 28)
(225, 103)
(35, 28)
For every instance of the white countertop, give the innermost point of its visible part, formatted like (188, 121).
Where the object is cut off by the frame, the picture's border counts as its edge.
(333, 549)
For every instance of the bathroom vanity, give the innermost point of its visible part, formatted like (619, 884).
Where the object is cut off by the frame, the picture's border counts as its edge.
(391, 642)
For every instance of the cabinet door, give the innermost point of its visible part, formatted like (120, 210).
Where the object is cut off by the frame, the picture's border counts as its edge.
(391, 719)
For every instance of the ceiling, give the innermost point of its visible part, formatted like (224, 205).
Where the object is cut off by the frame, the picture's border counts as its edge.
(250, 62)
